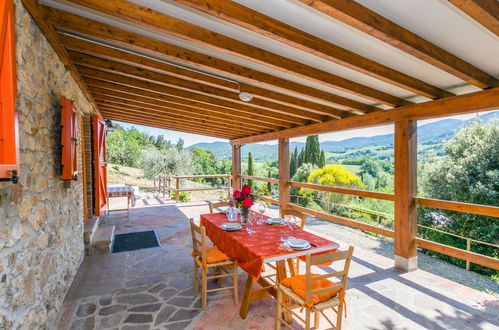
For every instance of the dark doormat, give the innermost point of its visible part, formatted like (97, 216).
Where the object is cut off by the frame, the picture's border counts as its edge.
(135, 241)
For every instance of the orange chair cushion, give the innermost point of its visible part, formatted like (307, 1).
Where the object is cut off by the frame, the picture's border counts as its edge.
(297, 284)
(214, 255)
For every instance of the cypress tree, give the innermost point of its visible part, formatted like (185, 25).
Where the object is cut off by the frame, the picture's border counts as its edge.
(312, 150)
(293, 163)
(269, 185)
(322, 161)
(251, 170)
(301, 158)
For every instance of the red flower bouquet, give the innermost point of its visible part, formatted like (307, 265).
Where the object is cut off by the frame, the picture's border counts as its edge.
(244, 200)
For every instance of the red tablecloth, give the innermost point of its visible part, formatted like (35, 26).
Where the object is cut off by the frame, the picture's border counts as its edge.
(251, 250)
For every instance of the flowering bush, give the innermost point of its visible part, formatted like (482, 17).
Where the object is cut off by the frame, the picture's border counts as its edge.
(243, 197)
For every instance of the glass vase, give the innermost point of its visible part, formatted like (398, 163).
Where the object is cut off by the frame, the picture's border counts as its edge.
(245, 214)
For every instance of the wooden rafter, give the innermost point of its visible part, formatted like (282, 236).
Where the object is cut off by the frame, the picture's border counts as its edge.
(368, 21)
(266, 26)
(453, 105)
(169, 118)
(148, 86)
(154, 110)
(36, 11)
(485, 12)
(192, 87)
(136, 14)
(152, 123)
(175, 101)
(130, 40)
(124, 99)
(139, 61)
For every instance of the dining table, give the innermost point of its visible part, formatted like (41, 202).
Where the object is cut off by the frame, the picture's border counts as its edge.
(263, 246)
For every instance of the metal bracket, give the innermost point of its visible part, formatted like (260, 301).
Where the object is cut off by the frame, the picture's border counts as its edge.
(14, 179)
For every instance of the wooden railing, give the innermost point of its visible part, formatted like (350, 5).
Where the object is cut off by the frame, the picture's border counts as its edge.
(170, 184)
(467, 255)
(258, 178)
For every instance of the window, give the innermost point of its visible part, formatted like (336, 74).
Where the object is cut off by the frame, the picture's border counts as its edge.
(9, 140)
(69, 139)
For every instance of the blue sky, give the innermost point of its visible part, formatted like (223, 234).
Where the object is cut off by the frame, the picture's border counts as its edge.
(191, 139)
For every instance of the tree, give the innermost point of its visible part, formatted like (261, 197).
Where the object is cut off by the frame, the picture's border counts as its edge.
(322, 159)
(180, 144)
(173, 162)
(269, 184)
(312, 150)
(293, 163)
(251, 170)
(301, 175)
(335, 176)
(469, 173)
(124, 146)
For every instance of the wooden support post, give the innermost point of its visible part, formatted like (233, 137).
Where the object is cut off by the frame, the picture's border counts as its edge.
(177, 188)
(283, 153)
(405, 195)
(229, 184)
(236, 167)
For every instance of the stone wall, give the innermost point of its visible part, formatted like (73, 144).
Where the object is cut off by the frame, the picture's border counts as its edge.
(41, 222)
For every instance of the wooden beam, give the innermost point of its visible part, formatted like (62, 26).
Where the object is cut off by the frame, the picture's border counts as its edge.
(168, 25)
(170, 108)
(485, 12)
(490, 211)
(368, 21)
(148, 86)
(454, 105)
(37, 13)
(139, 61)
(283, 160)
(266, 26)
(147, 121)
(157, 78)
(172, 115)
(133, 41)
(236, 167)
(473, 257)
(406, 218)
(348, 191)
(136, 94)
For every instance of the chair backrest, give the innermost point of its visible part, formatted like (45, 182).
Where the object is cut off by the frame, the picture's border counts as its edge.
(297, 214)
(325, 258)
(198, 240)
(217, 204)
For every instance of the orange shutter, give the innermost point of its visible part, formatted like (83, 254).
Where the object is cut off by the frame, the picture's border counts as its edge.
(69, 139)
(100, 165)
(9, 139)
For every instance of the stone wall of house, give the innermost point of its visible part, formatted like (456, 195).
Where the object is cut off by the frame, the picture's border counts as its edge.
(41, 221)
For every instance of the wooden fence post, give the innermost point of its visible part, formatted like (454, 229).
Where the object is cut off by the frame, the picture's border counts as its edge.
(283, 153)
(406, 220)
(177, 188)
(229, 184)
(236, 167)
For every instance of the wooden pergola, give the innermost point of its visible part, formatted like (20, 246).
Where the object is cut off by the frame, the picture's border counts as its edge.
(308, 67)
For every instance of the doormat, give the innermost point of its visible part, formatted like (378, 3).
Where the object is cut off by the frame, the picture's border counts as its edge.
(135, 241)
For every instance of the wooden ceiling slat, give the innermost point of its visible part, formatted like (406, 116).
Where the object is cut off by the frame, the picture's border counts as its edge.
(152, 123)
(485, 12)
(126, 81)
(136, 14)
(117, 55)
(209, 109)
(157, 78)
(454, 105)
(269, 27)
(37, 13)
(127, 39)
(139, 113)
(161, 112)
(368, 21)
(169, 108)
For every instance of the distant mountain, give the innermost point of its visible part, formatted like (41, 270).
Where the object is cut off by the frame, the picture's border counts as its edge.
(433, 133)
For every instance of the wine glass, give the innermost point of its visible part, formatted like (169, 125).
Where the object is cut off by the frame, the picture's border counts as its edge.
(262, 207)
(249, 227)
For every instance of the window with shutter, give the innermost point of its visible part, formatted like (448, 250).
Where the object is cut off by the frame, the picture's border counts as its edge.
(69, 139)
(9, 138)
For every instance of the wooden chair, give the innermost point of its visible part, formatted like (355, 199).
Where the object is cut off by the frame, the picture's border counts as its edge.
(205, 259)
(336, 302)
(217, 204)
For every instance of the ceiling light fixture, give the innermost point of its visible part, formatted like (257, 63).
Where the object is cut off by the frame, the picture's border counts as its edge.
(245, 96)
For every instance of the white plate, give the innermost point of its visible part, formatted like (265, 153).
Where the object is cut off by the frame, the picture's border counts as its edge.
(222, 210)
(298, 243)
(275, 221)
(286, 244)
(231, 226)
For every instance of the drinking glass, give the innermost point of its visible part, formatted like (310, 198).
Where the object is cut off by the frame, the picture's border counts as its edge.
(249, 227)
(262, 207)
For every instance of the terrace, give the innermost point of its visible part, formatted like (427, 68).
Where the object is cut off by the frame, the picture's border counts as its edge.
(246, 71)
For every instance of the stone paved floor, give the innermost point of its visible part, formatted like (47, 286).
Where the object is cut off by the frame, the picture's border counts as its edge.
(152, 288)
